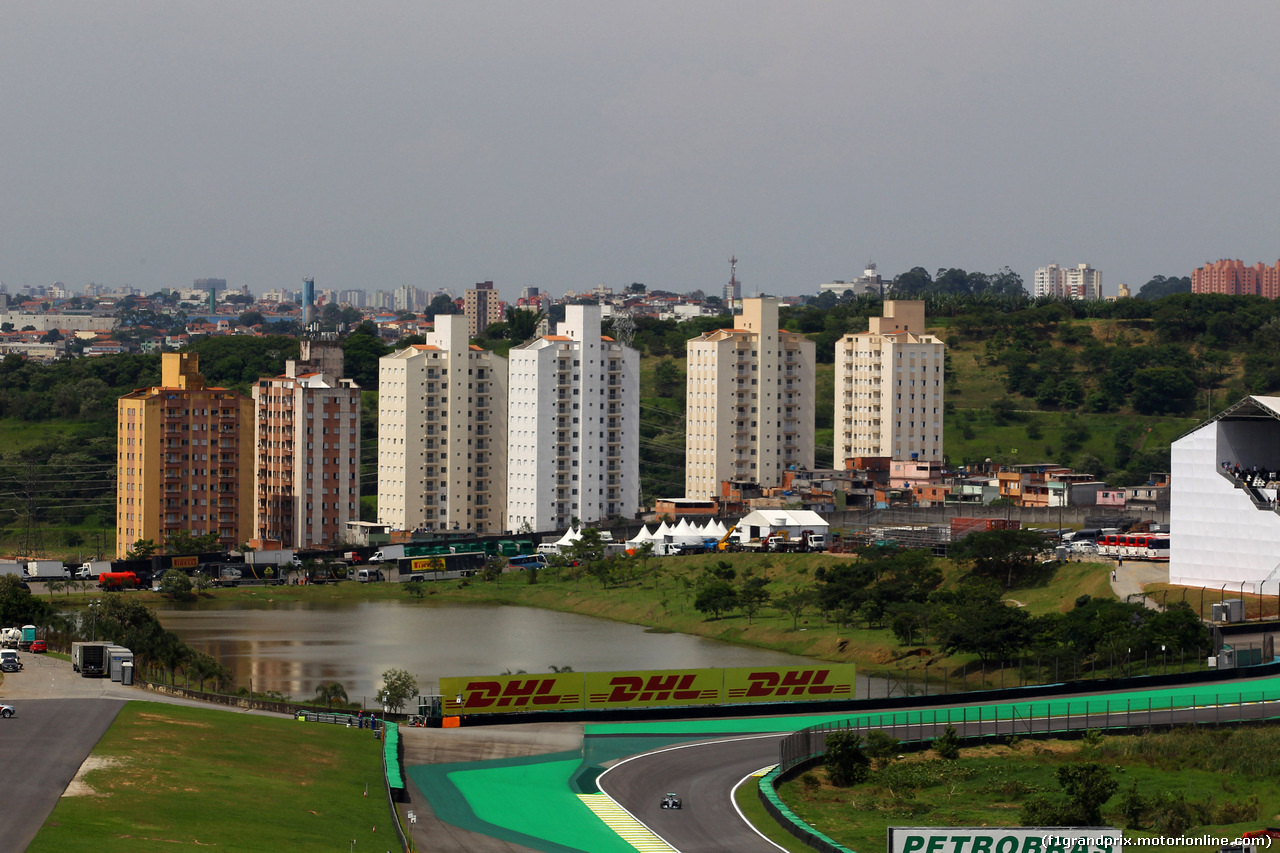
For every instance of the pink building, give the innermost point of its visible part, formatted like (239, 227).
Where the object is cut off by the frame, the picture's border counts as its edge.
(1233, 278)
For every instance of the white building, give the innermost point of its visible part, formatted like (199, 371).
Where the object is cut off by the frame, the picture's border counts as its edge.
(573, 420)
(1223, 533)
(870, 283)
(749, 403)
(889, 388)
(764, 523)
(442, 434)
(1079, 282)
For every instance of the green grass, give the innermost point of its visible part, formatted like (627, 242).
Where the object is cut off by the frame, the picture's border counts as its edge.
(173, 777)
(1216, 771)
(747, 797)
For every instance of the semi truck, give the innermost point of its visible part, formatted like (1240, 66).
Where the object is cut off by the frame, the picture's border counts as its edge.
(89, 659)
(279, 558)
(47, 570)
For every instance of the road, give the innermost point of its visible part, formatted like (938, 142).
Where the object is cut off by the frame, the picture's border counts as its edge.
(703, 775)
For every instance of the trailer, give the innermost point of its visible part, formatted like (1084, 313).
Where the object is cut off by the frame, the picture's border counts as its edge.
(47, 570)
(280, 558)
(89, 659)
(93, 568)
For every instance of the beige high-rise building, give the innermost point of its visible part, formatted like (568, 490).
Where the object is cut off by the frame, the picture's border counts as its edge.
(442, 434)
(307, 442)
(889, 388)
(184, 459)
(749, 403)
(482, 307)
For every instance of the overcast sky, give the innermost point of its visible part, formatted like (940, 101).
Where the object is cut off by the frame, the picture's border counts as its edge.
(567, 144)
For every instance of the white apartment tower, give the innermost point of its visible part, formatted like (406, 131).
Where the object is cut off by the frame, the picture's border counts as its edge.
(889, 387)
(749, 403)
(307, 445)
(442, 434)
(573, 420)
(1079, 282)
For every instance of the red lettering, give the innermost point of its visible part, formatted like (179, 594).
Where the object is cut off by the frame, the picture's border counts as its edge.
(659, 688)
(519, 692)
(625, 688)
(797, 680)
(819, 686)
(682, 690)
(762, 683)
(481, 694)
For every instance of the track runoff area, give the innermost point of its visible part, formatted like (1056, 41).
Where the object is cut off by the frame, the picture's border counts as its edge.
(554, 803)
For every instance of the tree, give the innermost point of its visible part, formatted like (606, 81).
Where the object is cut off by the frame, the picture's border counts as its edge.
(398, 687)
(1159, 287)
(881, 748)
(587, 548)
(332, 692)
(186, 542)
(715, 596)
(522, 323)
(18, 606)
(667, 378)
(794, 604)
(975, 619)
(947, 744)
(1001, 554)
(176, 584)
(142, 549)
(844, 759)
(1163, 390)
(753, 595)
(361, 350)
(1087, 788)
(441, 305)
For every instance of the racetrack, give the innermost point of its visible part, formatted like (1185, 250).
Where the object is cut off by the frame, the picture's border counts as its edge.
(704, 776)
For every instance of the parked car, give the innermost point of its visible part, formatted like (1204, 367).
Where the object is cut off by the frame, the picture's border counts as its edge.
(7, 711)
(39, 646)
(671, 801)
(10, 665)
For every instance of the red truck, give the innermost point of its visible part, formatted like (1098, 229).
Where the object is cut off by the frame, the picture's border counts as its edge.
(118, 580)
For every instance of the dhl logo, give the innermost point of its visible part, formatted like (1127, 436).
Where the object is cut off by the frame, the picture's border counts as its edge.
(515, 694)
(797, 682)
(652, 688)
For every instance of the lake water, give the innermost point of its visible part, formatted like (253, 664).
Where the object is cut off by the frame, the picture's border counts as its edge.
(294, 647)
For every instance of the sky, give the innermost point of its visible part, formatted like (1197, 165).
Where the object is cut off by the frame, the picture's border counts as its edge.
(567, 144)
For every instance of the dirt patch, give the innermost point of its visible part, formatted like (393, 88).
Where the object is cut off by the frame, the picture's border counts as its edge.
(78, 787)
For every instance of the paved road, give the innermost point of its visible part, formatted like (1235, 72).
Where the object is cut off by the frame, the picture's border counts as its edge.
(60, 718)
(703, 775)
(1133, 576)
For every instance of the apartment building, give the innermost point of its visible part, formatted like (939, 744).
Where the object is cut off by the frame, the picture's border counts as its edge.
(1079, 282)
(889, 387)
(1233, 278)
(573, 421)
(307, 448)
(442, 434)
(184, 459)
(482, 307)
(750, 404)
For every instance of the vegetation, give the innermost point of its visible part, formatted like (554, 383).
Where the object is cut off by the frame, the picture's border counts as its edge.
(1185, 781)
(208, 778)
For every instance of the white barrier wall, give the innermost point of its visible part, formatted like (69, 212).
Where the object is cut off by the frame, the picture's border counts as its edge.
(1217, 536)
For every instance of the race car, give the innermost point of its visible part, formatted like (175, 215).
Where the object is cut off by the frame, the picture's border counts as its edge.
(671, 801)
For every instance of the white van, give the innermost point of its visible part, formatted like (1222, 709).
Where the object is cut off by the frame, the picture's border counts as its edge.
(9, 661)
(368, 575)
(549, 549)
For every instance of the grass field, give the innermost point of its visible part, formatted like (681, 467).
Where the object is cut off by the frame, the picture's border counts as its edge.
(1195, 781)
(170, 777)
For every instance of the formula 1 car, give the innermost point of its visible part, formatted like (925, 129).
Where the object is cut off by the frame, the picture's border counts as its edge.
(671, 801)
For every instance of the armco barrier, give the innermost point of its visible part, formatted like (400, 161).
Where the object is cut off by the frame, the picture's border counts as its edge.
(394, 778)
(1049, 718)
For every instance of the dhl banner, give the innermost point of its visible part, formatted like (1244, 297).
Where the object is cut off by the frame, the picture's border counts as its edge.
(428, 564)
(572, 691)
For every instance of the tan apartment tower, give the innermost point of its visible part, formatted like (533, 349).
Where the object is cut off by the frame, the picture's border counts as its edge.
(307, 444)
(442, 434)
(889, 388)
(482, 307)
(184, 461)
(750, 403)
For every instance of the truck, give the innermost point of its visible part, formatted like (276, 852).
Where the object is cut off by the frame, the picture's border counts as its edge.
(387, 554)
(91, 569)
(225, 575)
(279, 558)
(9, 637)
(47, 570)
(89, 659)
(28, 637)
(9, 567)
(118, 580)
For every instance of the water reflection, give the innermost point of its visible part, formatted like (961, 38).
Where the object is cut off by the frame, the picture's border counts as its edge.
(293, 647)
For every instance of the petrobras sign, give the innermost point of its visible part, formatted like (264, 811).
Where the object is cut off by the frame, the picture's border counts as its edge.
(646, 688)
(999, 839)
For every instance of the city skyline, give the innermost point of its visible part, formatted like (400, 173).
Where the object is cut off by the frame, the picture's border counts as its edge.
(569, 144)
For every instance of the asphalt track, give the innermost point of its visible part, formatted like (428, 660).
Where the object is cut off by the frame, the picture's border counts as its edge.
(703, 775)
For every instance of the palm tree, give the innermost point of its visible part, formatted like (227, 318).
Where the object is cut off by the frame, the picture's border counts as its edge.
(330, 693)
